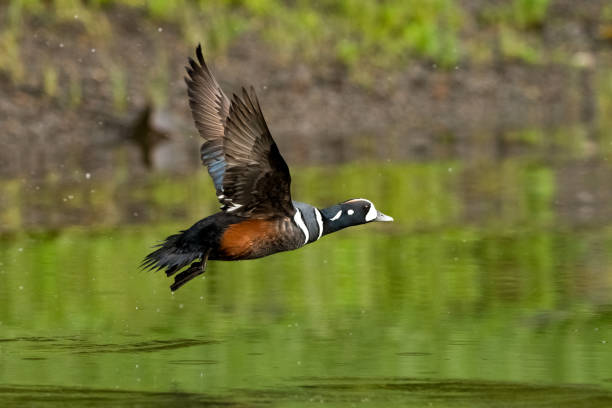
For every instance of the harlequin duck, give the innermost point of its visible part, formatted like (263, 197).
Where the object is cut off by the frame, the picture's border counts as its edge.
(252, 180)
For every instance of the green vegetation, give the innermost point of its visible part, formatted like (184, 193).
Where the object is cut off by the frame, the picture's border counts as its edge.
(50, 81)
(524, 14)
(530, 13)
(118, 80)
(362, 35)
(514, 46)
(75, 90)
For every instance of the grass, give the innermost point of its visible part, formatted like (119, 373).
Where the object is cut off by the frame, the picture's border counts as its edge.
(365, 37)
(10, 56)
(359, 34)
(75, 90)
(529, 13)
(118, 79)
(521, 14)
(50, 80)
(514, 46)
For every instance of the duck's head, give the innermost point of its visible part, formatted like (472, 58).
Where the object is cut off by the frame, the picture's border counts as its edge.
(351, 212)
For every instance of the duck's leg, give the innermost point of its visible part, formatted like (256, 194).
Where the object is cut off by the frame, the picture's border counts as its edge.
(196, 269)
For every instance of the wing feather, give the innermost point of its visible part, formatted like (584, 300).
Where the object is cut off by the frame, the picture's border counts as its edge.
(257, 181)
(249, 173)
(210, 109)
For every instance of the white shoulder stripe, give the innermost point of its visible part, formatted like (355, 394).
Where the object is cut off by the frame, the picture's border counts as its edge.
(234, 207)
(335, 217)
(299, 221)
(319, 222)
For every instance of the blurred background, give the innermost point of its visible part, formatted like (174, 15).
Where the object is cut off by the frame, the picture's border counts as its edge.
(484, 127)
(93, 92)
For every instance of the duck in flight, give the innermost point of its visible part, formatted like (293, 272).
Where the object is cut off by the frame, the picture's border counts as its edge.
(252, 180)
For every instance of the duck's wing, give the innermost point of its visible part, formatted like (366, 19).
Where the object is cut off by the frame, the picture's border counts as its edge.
(210, 109)
(256, 182)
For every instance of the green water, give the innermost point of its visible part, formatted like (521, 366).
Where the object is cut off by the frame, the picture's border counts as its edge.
(492, 288)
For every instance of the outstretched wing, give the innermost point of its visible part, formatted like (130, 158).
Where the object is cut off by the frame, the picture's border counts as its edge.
(256, 182)
(210, 109)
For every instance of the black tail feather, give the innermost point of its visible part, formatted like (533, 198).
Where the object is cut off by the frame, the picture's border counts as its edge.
(173, 254)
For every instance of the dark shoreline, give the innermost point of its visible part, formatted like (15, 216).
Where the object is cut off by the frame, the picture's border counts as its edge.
(317, 114)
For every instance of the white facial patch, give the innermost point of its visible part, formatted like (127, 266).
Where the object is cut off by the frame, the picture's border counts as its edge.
(319, 222)
(299, 221)
(350, 212)
(335, 217)
(372, 213)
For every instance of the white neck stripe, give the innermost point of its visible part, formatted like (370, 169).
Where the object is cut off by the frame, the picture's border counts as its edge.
(335, 217)
(319, 222)
(299, 221)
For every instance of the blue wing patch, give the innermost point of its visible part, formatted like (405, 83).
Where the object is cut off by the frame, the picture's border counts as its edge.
(212, 156)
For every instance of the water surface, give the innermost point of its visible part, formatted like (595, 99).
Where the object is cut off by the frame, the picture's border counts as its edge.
(492, 288)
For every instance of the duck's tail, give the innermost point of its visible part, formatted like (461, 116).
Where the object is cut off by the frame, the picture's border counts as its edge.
(172, 255)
